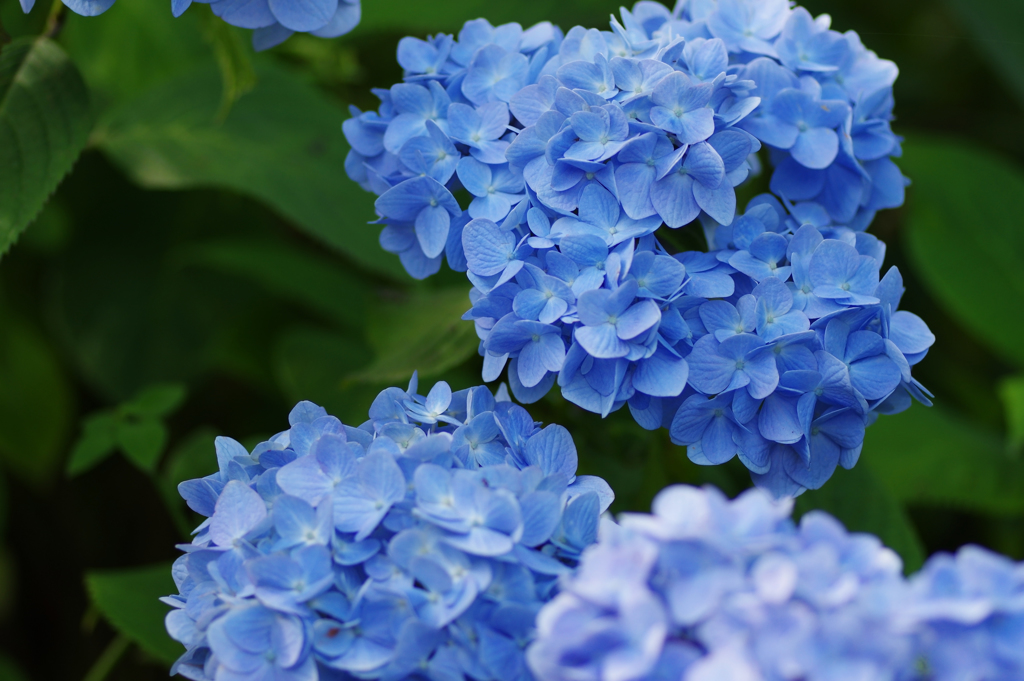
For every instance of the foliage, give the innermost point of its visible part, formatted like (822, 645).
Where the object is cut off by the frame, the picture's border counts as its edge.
(45, 119)
(36, 401)
(129, 599)
(963, 266)
(136, 428)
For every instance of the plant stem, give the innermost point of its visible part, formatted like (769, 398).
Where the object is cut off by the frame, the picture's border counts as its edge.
(55, 21)
(106, 662)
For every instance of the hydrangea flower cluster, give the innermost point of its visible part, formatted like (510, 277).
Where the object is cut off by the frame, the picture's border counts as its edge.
(422, 542)
(779, 347)
(274, 21)
(780, 344)
(967, 614)
(662, 112)
(705, 588)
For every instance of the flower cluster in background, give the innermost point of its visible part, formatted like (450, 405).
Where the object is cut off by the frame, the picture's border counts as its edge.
(780, 344)
(707, 588)
(662, 112)
(273, 20)
(422, 542)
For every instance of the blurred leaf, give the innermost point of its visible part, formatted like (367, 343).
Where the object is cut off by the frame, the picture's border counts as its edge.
(232, 54)
(50, 230)
(157, 400)
(134, 427)
(316, 283)
(194, 457)
(132, 47)
(4, 510)
(861, 502)
(97, 442)
(35, 402)
(1011, 391)
(425, 333)
(422, 18)
(998, 27)
(310, 364)
(281, 144)
(931, 456)
(126, 310)
(128, 600)
(965, 238)
(142, 441)
(10, 671)
(44, 124)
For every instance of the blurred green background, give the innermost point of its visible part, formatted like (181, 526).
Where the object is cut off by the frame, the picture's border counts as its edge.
(206, 263)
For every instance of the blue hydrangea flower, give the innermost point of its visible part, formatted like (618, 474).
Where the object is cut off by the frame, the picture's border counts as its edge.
(707, 588)
(967, 615)
(787, 329)
(274, 21)
(423, 541)
(663, 112)
(578, 148)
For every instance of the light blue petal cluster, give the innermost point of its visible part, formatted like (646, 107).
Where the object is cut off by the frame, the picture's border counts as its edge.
(967, 612)
(274, 21)
(419, 544)
(707, 589)
(782, 343)
(661, 114)
(780, 346)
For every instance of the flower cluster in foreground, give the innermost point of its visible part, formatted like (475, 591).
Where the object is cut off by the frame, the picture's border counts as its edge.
(420, 544)
(707, 589)
(274, 21)
(780, 344)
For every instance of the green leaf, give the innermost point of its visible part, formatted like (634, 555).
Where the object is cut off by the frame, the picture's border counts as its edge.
(931, 456)
(311, 364)
(194, 457)
(36, 404)
(157, 400)
(132, 47)
(1011, 391)
(861, 502)
(998, 28)
(45, 120)
(317, 283)
(232, 54)
(281, 144)
(965, 238)
(128, 600)
(422, 18)
(424, 333)
(142, 441)
(97, 442)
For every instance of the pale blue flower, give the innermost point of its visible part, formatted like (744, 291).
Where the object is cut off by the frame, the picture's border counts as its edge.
(371, 550)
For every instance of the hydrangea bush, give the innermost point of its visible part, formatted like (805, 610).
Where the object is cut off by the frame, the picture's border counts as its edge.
(421, 542)
(781, 343)
(706, 588)
(274, 21)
